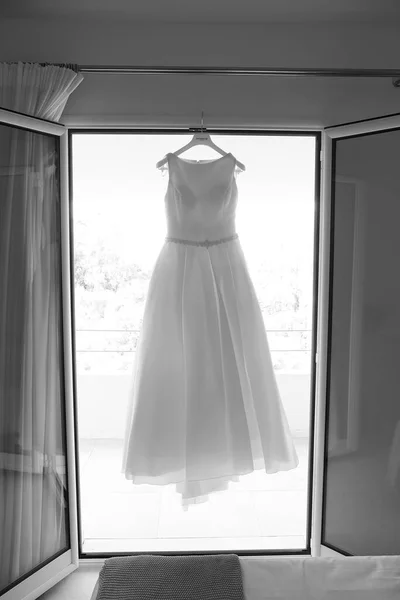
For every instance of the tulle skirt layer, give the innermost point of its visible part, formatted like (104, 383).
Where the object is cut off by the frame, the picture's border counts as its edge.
(205, 407)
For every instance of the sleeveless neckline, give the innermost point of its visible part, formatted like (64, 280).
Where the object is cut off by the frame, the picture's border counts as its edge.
(200, 162)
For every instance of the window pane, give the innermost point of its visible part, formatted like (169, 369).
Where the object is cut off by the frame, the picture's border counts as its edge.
(119, 229)
(362, 488)
(33, 487)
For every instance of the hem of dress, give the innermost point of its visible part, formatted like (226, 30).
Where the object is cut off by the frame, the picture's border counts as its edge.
(156, 479)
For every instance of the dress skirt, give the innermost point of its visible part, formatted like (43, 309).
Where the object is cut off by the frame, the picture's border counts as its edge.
(205, 406)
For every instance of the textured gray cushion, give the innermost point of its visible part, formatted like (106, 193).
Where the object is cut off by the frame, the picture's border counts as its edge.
(149, 577)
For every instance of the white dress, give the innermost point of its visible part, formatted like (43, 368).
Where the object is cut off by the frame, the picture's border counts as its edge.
(205, 407)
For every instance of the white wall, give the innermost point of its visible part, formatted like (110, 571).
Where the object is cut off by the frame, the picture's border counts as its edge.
(286, 45)
(233, 101)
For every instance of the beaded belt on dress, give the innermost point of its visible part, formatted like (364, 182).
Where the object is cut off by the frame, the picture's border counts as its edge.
(206, 243)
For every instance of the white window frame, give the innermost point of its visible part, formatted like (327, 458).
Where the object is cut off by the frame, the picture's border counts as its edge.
(378, 124)
(45, 577)
(75, 125)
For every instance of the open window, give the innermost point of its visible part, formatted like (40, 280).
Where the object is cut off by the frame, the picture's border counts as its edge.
(358, 459)
(355, 495)
(119, 228)
(37, 475)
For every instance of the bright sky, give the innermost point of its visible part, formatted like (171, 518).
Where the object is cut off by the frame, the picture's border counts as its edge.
(119, 191)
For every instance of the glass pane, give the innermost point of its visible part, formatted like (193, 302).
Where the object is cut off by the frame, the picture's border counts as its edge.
(362, 490)
(119, 229)
(33, 488)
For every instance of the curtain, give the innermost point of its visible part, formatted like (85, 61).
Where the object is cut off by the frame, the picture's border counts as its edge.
(33, 499)
(33, 89)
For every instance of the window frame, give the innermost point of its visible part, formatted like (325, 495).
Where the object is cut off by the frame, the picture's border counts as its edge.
(45, 575)
(312, 526)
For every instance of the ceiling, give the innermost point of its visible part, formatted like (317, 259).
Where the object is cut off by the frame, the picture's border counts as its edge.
(208, 11)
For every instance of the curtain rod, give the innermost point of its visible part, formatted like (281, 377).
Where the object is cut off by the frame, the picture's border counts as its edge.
(260, 71)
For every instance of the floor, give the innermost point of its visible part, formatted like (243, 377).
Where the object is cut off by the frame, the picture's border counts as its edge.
(260, 512)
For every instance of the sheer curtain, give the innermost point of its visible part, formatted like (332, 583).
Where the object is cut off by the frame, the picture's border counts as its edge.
(33, 516)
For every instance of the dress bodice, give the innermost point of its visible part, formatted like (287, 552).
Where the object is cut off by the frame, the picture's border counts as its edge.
(201, 198)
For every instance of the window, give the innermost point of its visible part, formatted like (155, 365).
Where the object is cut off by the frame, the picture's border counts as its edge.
(119, 228)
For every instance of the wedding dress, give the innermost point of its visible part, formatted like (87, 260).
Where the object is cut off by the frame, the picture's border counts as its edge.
(205, 407)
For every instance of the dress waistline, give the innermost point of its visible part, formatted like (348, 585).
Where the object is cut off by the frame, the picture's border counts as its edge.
(204, 244)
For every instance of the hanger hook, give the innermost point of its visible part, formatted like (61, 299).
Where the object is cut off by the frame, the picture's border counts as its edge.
(202, 121)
